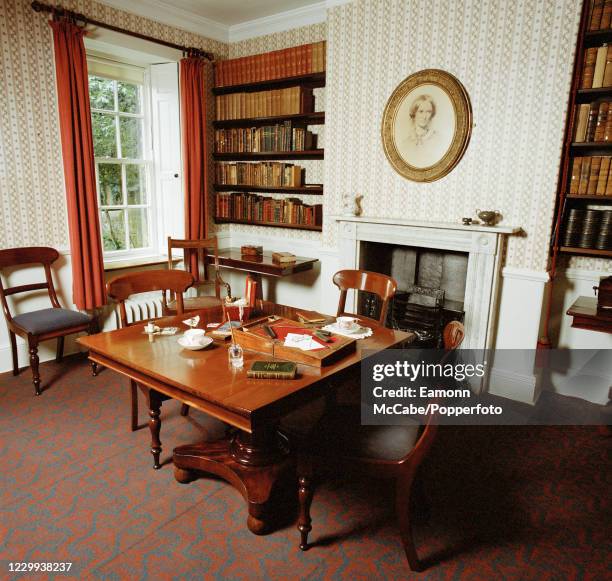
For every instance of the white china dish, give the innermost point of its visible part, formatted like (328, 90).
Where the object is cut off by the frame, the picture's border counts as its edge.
(196, 344)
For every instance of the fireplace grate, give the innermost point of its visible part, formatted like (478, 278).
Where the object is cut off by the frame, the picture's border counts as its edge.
(420, 310)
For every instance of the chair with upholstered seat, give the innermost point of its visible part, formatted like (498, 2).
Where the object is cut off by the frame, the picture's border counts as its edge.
(201, 249)
(120, 289)
(374, 283)
(42, 324)
(341, 443)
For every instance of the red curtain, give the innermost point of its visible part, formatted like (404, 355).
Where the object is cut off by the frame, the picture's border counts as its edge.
(193, 130)
(79, 173)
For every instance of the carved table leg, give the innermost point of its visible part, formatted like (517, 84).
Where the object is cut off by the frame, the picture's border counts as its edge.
(155, 402)
(305, 499)
(33, 345)
(94, 368)
(255, 464)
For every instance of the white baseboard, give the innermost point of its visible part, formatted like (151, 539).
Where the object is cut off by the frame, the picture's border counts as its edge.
(516, 386)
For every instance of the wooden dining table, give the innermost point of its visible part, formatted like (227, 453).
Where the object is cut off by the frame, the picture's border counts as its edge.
(256, 456)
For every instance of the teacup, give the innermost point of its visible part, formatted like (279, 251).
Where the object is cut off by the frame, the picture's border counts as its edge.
(150, 328)
(194, 336)
(347, 323)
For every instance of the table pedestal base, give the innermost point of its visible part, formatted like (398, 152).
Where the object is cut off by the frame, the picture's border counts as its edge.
(256, 471)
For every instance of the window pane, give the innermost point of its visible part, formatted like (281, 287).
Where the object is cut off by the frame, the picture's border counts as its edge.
(130, 130)
(109, 180)
(113, 229)
(129, 97)
(101, 93)
(104, 135)
(136, 184)
(139, 228)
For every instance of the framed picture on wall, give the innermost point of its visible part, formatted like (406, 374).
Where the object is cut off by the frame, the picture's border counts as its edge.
(427, 125)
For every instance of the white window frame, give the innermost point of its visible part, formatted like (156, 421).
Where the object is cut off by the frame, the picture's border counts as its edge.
(146, 161)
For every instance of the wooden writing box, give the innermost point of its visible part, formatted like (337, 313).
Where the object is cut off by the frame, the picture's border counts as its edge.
(252, 336)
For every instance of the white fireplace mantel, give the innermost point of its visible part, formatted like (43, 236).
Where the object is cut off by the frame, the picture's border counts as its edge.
(483, 244)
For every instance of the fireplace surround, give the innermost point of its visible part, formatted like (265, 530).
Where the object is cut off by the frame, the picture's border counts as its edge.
(483, 245)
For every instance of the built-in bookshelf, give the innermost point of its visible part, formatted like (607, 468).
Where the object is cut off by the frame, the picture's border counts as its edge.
(264, 107)
(583, 218)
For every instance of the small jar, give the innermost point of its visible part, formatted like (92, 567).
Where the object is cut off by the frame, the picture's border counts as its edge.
(235, 355)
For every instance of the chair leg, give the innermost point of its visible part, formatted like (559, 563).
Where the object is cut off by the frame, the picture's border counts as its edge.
(33, 347)
(155, 426)
(133, 406)
(13, 339)
(59, 354)
(403, 509)
(184, 410)
(305, 493)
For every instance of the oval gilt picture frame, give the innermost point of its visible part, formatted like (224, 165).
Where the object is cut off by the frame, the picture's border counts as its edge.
(426, 125)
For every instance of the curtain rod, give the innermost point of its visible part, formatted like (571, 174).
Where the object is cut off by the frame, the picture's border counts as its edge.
(59, 11)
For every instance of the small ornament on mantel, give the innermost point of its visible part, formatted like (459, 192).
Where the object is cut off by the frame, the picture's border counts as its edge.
(351, 204)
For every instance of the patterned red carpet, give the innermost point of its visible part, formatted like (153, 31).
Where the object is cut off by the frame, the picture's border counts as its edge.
(78, 486)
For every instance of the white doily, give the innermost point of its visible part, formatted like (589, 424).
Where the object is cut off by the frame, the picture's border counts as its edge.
(359, 333)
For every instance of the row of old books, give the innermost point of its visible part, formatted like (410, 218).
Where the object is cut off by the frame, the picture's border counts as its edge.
(278, 64)
(591, 176)
(252, 207)
(600, 15)
(597, 67)
(588, 228)
(280, 137)
(274, 174)
(273, 103)
(593, 122)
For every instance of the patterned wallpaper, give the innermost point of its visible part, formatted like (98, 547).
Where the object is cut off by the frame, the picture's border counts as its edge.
(32, 198)
(515, 60)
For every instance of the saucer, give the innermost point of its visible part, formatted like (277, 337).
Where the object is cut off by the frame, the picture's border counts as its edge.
(201, 344)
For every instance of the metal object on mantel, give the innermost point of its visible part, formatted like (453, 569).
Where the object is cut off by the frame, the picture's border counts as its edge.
(488, 217)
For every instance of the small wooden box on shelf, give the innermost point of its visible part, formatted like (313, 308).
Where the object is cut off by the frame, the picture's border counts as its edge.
(264, 105)
(583, 224)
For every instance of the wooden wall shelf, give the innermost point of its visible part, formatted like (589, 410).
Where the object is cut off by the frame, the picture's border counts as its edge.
(601, 199)
(586, 251)
(312, 80)
(315, 190)
(271, 224)
(316, 118)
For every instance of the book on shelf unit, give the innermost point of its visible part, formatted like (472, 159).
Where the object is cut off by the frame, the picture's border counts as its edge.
(591, 176)
(277, 86)
(288, 211)
(284, 136)
(600, 17)
(288, 62)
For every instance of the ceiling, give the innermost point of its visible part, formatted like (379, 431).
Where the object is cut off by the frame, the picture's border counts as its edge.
(230, 20)
(232, 12)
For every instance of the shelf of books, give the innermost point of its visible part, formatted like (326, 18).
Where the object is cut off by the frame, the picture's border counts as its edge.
(264, 105)
(303, 64)
(248, 208)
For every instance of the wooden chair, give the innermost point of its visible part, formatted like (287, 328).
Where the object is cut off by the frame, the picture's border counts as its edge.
(340, 441)
(42, 324)
(371, 282)
(201, 249)
(119, 289)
